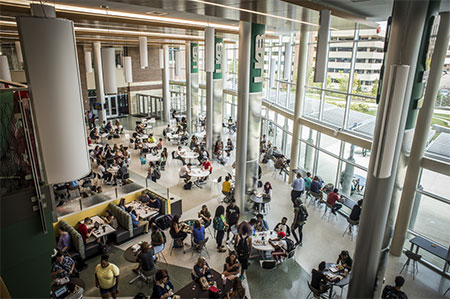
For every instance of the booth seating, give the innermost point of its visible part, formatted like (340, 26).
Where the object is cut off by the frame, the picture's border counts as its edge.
(80, 250)
(125, 231)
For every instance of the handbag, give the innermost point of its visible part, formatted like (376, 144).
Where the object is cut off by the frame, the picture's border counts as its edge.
(204, 283)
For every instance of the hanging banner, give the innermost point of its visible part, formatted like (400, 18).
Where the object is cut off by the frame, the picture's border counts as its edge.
(218, 88)
(255, 103)
(194, 86)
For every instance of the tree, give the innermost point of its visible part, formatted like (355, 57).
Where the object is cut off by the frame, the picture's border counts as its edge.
(374, 90)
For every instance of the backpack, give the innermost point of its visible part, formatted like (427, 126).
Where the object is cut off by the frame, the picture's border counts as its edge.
(390, 292)
(302, 214)
(242, 247)
(290, 245)
(187, 186)
(218, 224)
(156, 174)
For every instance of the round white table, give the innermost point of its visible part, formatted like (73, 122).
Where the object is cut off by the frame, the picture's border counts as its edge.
(142, 137)
(198, 173)
(153, 158)
(263, 245)
(189, 155)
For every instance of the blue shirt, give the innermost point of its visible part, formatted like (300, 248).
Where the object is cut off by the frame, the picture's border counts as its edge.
(199, 234)
(298, 184)
(155, 205)
(134, 220)
(307, 182)
(315, 186)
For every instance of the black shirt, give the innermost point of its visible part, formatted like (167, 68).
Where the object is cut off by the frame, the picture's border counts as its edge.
(232, 214)
(317, 278)
(146, 259)
(156, 204)
(356, 211)
(390, 292)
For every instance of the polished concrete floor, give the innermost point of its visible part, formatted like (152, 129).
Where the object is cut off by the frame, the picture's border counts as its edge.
(322, 241)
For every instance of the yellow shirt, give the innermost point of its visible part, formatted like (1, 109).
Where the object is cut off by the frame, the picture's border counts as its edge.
(226, 186)
(151, 139)
(107, 276)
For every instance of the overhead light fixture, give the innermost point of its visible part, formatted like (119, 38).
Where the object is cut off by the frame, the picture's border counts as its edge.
(156, 13)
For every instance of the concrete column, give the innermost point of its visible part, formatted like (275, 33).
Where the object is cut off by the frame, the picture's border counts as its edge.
(309, 152)
(420, 136)
(98, 74)
(408, 18)
(188, 87)
(242, 117)
(209, 69)
(347, 176)
(299, 97)
(165, 81)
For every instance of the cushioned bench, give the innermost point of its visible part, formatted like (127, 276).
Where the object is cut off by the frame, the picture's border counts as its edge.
(125, 231)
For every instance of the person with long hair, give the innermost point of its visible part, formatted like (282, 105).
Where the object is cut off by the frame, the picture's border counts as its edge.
(162, 288)
(238, 290)
(220, 225)
(231, 266)
(176, 229)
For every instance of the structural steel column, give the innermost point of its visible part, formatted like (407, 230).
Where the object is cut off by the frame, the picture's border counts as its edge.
(242, 117)
(299, 98)
(166, 88)
(408, 18)
(187, 49)
(98, 73)
(420, 136)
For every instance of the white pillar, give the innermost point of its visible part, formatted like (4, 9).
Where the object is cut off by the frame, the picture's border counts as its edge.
(209, 68)
(98, 74)
(166, 78)
(5, 73)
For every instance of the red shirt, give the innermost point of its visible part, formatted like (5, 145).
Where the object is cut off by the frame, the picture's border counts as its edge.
(332, 198)
(82, 229)
(207, 166)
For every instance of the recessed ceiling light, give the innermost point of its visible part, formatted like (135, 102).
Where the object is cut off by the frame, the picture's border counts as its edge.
(156, 13)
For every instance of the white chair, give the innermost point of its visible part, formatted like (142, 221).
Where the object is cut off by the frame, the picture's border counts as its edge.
(216, 181)
(330, 208)
(351, 227)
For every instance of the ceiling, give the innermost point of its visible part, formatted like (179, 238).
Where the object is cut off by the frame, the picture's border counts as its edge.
(121, 21)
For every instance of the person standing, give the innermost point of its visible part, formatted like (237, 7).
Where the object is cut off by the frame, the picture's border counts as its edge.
(390, 292)
(298, 186)
(243, 244)
(300, 216)
(232, 214)
(107, 278)
(220, 224)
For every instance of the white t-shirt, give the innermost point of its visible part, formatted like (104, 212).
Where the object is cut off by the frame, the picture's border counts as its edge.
(184, 170)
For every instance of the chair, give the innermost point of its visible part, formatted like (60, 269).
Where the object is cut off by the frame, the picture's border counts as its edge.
(174, 242)
(315, 292)
(446, 291)
(328, 207)
(146, 276)
(160, 254)
(315, 198)
(351, 224)
(268, 264)
(415, 258)
(200, 246)
(216, 181)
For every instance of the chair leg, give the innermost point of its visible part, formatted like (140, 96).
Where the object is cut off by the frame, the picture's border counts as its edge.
(345, 231)
(404, 265)
(163, 256)
(324, 213)
(309, 295)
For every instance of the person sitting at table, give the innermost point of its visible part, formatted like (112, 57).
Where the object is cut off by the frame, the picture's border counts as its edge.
(160, 144)
(193, 143)
(231, 266)
(174, 115)
(144, 197)
(86, 234)
(316, 187)
(154, 203)
(395, 291)
(202, 153)
(202, 271)
(108, 127)
(162, 288)
(111, 220)
(74, 291)
(205, 216)
(227, 189)
(64, 241)
(198, 232)
(151, 138)
(308, 181)
(356, 212)
(139, 128)
(157, 238)
(238, 291)
(229, 147)
(280, 250)
(94, 134)
(63, 266)
(122, 171)
(184, 172)
(206, 165)
(176, 230)
(136, 222)
(145, 259)
(261, 224)
(117, 126)
(345, 260)
(283, 227)
(163, 159)
(151, 172)
(220, 225)
(122, 204)
(319, 280)
(332, 198)
(178, 155)
(267, 190)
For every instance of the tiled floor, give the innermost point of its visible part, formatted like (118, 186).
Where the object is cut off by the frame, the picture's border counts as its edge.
(322, 240)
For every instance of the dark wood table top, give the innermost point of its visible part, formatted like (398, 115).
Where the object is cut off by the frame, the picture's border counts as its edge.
(130, 256)
(194, 289)
(431, 247)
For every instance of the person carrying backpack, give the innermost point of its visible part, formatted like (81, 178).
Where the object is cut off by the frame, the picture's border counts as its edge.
(300, 216)
(243, 246)
(220, 225)
(394, 292)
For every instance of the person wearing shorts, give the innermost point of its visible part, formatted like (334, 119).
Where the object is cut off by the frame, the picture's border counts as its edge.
(107, 278)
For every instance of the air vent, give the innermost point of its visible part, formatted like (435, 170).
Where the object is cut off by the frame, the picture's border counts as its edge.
(156, 13)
